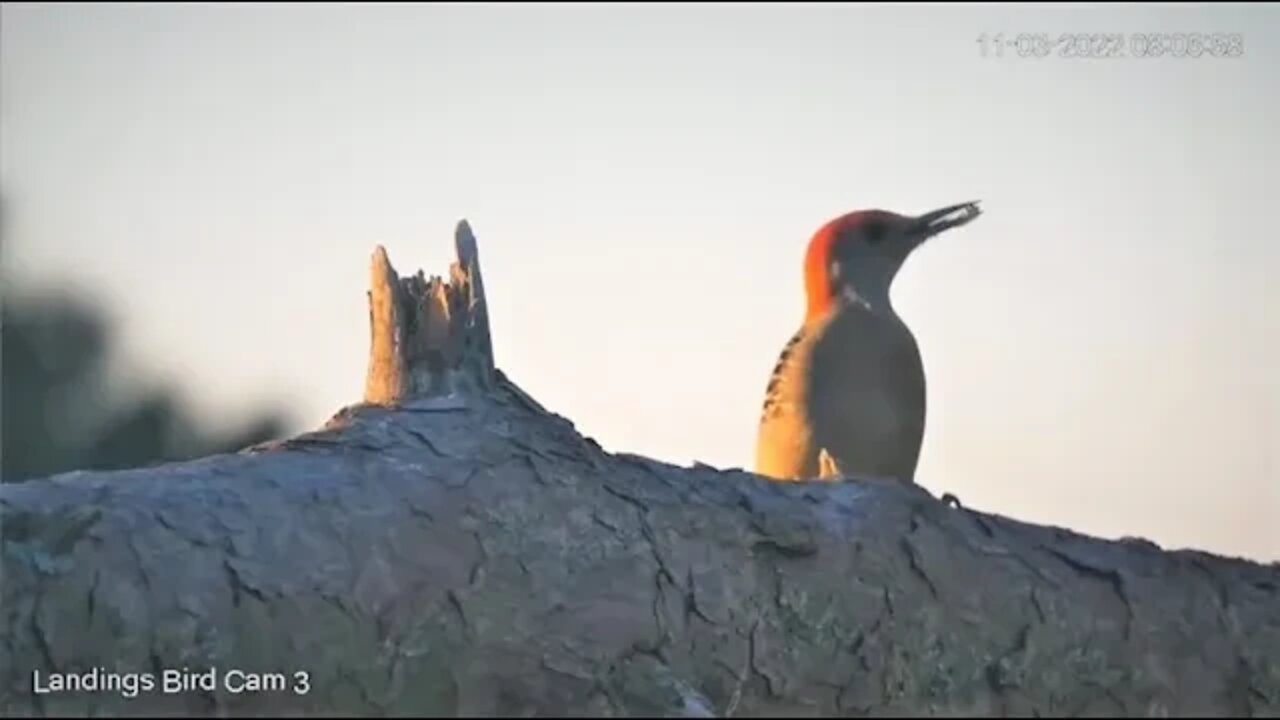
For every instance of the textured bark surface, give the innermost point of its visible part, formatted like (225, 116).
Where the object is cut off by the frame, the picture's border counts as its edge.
(478, 556)
(429, 338)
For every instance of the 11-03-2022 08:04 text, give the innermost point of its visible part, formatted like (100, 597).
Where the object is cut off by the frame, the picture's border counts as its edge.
(1087, 45)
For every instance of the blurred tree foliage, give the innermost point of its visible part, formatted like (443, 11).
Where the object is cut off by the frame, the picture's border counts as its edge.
(61, 412)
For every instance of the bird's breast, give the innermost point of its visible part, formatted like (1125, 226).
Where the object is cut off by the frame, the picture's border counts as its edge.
(866, 381)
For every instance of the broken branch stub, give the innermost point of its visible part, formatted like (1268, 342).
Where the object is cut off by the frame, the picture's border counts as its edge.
(429, 338)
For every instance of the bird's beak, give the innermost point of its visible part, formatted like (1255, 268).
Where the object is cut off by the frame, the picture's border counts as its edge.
(932, 223)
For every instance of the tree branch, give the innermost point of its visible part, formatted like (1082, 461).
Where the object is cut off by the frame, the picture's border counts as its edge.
(448, 547)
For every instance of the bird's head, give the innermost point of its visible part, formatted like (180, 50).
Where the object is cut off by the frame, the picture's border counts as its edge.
(859, 253)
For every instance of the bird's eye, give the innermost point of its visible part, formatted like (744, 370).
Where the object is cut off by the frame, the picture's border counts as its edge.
(875, 231)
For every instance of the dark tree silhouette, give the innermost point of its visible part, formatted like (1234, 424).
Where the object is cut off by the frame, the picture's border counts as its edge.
(60, 412)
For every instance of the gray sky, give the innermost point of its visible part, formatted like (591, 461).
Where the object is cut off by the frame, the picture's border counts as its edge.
(1101, 346)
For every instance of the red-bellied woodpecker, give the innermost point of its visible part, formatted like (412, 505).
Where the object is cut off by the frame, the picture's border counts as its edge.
(847, 396)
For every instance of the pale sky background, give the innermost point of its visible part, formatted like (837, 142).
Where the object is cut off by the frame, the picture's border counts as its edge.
(1101, 346)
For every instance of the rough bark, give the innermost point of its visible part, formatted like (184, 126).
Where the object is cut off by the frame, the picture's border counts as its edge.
(449, 547)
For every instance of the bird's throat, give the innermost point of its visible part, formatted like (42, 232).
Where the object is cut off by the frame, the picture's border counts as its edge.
(868, 294)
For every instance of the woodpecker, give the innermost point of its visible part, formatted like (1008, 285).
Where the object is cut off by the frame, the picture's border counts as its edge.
(847, 395)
